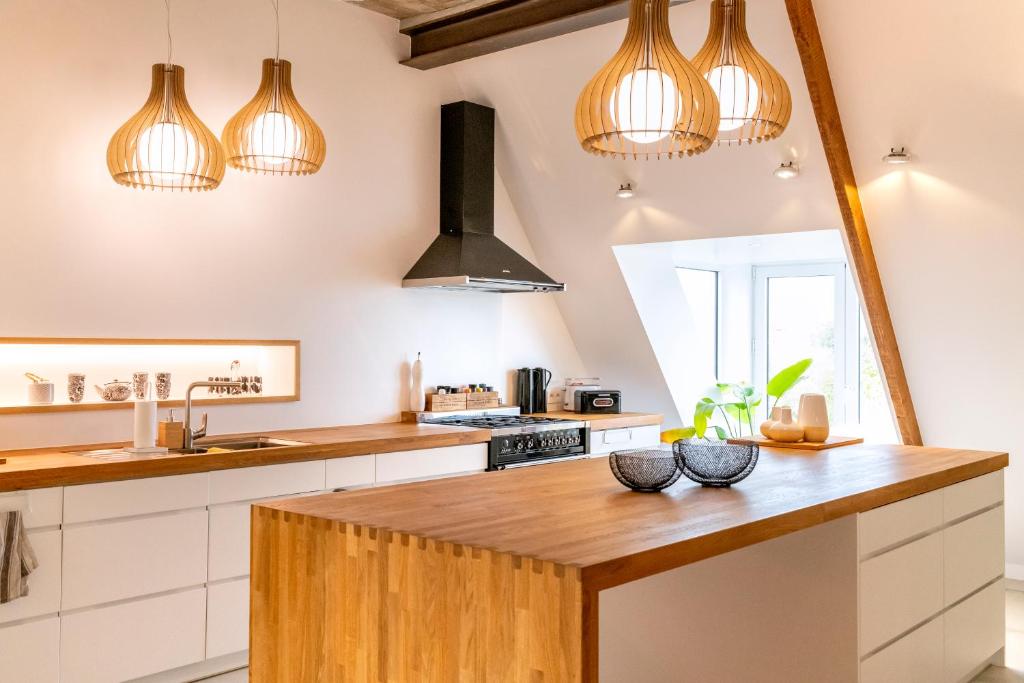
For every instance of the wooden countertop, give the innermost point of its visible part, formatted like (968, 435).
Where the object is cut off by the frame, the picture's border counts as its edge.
(44, 467)
(576, 514)
(601, 422)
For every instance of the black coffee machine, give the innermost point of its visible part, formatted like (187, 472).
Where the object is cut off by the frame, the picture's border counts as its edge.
(532, 389)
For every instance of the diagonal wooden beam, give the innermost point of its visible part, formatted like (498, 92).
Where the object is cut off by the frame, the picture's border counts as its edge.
(452, 36)
(862, 256)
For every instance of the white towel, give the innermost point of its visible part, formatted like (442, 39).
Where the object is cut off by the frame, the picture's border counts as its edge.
(17, 559)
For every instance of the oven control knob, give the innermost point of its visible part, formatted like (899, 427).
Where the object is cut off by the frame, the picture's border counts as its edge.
(531, 443)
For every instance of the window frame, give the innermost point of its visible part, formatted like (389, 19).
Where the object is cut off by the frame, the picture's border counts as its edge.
(717, 308)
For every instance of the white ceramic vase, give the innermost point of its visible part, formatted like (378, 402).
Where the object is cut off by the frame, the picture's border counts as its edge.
(767, 424)
(785, 429)
(813, 417)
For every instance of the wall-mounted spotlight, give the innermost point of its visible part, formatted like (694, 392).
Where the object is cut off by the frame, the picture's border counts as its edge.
(787, 170)
(897, 156)
(625, 191)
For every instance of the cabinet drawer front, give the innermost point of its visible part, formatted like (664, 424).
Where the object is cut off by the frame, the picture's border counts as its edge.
(116, 560)
(355, 471)
(227, 618)
(915, 658)
(93, 502)
(610, 440)
(973, 554)
(40, 507)
(29, 652)
(975, 630)
(431, 462)
(972, 495)
(133, 639)
(229, 541)
(890, 524)
(44, 582)
(249, 483)
(898, 590)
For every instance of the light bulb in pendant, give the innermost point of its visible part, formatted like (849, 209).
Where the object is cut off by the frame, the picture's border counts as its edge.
(737, 95)
(645, 106)
(275, 138)
(166, 151)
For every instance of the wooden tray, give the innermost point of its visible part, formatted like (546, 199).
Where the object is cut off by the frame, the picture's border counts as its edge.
(830, 442)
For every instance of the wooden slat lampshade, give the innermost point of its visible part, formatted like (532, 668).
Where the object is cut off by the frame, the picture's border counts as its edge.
(755, 100)
(648, 101)
(165, 145)
(273, 133)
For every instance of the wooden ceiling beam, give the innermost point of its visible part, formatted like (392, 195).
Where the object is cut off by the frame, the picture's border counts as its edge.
(495, 26)
(858, 241)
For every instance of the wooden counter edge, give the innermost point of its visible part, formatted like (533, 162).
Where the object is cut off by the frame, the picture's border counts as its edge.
(623, 570)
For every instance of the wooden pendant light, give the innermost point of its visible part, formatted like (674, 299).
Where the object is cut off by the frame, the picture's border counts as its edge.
(273, 133)
(165, 145)
(648, 101)
(755, 100)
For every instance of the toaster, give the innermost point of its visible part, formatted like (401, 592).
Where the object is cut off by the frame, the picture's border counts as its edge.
(572, 390)
(598, 401)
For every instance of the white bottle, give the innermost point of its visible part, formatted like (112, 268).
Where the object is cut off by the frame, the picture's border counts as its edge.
(417, 399)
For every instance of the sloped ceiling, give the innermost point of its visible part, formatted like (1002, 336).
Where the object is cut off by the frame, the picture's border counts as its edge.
(566, 198)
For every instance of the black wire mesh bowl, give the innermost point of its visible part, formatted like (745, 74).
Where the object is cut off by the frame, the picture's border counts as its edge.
(645, 469)
(715, 463)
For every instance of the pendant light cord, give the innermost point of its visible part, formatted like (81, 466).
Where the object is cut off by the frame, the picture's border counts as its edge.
(276, 4)
(170, 41)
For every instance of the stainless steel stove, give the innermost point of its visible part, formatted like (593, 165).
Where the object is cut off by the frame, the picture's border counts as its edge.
(518, 440)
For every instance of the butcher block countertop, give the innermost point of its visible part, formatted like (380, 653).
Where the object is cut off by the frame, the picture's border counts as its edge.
(576, 515)
(57, 466)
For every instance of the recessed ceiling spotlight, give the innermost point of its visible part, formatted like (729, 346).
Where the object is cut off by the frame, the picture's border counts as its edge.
(897, 156)
(625, 191)
(787, 170)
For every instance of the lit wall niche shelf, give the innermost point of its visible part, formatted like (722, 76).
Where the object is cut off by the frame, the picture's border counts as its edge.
(274, 362)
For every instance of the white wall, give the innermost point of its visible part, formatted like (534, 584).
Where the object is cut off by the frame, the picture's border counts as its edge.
(319, 258)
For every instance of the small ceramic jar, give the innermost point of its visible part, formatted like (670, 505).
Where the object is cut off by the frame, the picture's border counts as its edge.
(785, 429)
(76, 387)
(813, 417)
(766, 425)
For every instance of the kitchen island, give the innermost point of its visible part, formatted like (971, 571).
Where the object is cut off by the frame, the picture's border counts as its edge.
(846, 565)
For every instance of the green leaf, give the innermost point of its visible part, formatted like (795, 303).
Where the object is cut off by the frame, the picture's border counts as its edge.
(787, 377)
(707, 400)
(700, 420)
(748, 391)
(722, 436)
(673, 435)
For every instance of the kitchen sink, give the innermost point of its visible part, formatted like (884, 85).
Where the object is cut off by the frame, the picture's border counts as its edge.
(226, 443)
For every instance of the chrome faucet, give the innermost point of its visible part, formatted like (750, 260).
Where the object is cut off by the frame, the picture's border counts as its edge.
(192, 434)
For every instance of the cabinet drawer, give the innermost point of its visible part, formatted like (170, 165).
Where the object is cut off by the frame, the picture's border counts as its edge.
(898, 590)
(973, 554)
(40, 507)
(29, 652)
(888, 525)
(972, 495)
(357, 470)
(227, 618)
(975, 630)
(915, 658)
(229, 541)
(133, 639)
(44, 582)
(609, 440)
(94, 502)
(249, 483)
(124, 559)
(431, 462)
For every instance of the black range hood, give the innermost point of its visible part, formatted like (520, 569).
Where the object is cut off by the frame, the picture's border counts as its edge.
(467, 255)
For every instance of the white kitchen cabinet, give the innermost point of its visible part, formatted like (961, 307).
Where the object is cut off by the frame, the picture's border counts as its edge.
(227, 617)
(29, 652)
(44, 583)
(120, 559)
(250, 483)
(973, 554)
(39, 507)
(975, 630)
(111, 500)
(430, 462)
(967, 497)
(229, 541)
(915, 658)
(609, 440)
(889, 525)
(132, 639)
(357, 470)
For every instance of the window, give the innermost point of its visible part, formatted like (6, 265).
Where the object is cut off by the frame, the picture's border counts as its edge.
(812, 311)
(700, 289)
